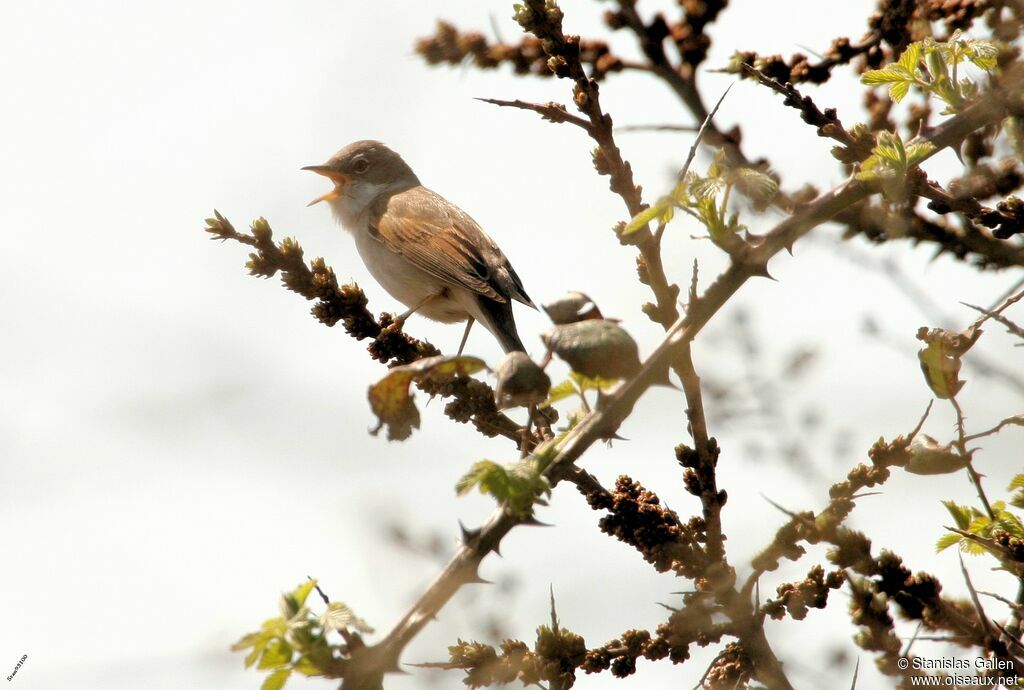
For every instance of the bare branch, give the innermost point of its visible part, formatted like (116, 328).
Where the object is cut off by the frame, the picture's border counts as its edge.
(550, 111)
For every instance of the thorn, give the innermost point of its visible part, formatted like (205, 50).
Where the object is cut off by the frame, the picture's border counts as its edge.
(468, 535)
(475, 579)
(760, 271)
(554, 614)
(533, 522)
(957, 151)
(667, 384)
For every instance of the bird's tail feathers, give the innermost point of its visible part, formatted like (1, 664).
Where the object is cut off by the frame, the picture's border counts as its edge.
(499, 320)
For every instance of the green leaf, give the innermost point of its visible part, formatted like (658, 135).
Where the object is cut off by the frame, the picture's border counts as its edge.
(899, 90)
(392, 401)
(591, 383)
(889, 75)
(947, 540)
(252, 656)
(276, 680)
(486, 474)
(1017, 482)
(307, 667)
(756, 184)
(277, 654)
(248, 640)
(560, 392)
(339, 616)
(680, 194)
(704, 188)
(961, 514)
(982, 53)
(985, 63)
(910, 57)
(1010, 524)
(890, 148)
(299, 594)
(972, 547)
(942, 85)
(518, 486)
(918, 152)
(643, 219)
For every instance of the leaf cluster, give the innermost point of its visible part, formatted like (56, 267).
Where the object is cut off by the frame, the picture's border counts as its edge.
(706, 199)
(518, 486)
(983, 526)
(890, 162)
(932, 66)
(296, 640)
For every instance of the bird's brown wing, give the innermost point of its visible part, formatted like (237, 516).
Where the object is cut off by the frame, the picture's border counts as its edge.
(445, 242)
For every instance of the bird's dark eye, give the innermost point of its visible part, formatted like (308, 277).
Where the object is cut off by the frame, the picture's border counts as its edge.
(360, 165)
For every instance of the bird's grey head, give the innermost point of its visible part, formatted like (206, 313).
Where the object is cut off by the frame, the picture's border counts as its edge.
(363, 171)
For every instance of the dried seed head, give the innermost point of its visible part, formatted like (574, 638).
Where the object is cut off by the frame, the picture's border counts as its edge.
(571, 307)
(520, 381)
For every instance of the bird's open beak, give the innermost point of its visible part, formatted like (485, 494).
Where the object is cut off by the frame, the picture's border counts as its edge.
(339, 179)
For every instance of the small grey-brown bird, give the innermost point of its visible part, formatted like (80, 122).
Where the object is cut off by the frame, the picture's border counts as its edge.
(424, 250)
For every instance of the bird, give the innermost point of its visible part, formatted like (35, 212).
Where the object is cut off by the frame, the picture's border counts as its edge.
(424, 251)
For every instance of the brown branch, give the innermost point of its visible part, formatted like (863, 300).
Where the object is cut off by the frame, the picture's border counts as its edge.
(450, 46)
(367, 666)
(826, 122)
(1005, 221)
(564, 60)
(472, 399)
(703, 465)
(657, 128)
(551, 111)
(965, 243)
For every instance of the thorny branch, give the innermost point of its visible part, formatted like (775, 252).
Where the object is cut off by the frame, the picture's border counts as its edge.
(871, 578)
(472, 399)
(368, 665)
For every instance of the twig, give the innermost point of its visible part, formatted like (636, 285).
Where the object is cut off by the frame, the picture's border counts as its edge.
(981, 364)
(827, 122)
(983, 618)
(996, 314)
(681, 175)
(550, 111)
(1017, 420)
(961, 444)
(367, 666)
(685, 87)
(1014, 606)
(910, 643)
(707, 671)
(657, 128)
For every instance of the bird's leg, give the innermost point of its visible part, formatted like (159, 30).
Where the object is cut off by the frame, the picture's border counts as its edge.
(465, 335)
(400, 319)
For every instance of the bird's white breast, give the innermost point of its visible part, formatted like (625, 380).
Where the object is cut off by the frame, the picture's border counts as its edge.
(403, 280)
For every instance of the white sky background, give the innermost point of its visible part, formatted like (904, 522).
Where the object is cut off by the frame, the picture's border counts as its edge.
(181, 442)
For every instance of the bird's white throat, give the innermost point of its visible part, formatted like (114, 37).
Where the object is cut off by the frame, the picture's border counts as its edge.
(351, 208)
